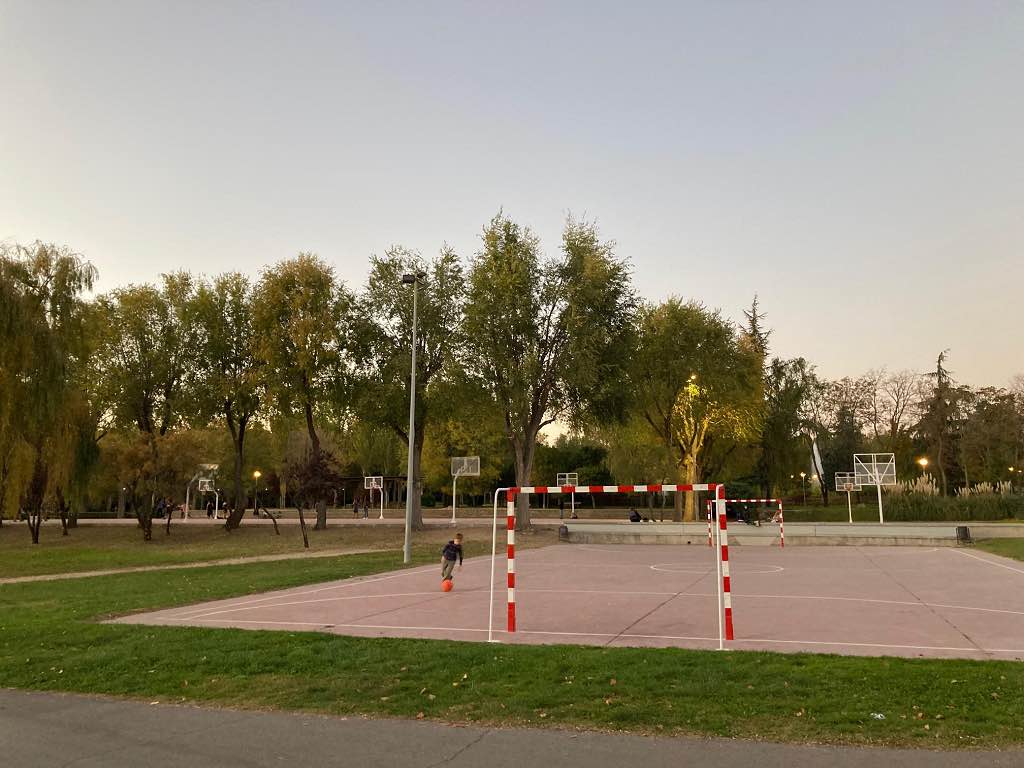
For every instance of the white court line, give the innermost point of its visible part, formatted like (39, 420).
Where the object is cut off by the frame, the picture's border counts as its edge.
(873, 600)
(635, 593)
(691, 569)
(344, 584)
(990, 562)
(479, 591)
(634, 636)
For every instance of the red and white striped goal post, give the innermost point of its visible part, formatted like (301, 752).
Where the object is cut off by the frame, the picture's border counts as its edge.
(725, 623)
(782, 521)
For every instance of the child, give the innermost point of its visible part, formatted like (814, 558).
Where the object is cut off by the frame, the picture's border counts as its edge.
(452, 551)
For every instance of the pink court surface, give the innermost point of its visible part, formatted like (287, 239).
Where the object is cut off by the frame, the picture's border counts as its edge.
(878, 601)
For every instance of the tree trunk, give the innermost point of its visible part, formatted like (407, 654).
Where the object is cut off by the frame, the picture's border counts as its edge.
(524, 469)
(238, 444)
(688, 477)
(302, 527)
(36, 494)
(321, 515)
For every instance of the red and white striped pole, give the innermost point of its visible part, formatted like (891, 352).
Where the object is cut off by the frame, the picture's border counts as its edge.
(511, 527)
(782, 527)
(723, 538)
(710, 542)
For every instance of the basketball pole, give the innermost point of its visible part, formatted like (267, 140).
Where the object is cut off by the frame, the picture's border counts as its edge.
(849, 505)
(881, 519)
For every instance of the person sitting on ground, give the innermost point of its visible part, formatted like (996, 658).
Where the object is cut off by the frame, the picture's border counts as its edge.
(452, 551)
(634, 516)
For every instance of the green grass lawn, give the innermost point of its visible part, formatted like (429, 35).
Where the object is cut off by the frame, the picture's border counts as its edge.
(98, 547)
(1006, 547)
(50, 639)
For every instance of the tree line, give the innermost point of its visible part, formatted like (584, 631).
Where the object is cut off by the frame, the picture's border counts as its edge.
(125, 393)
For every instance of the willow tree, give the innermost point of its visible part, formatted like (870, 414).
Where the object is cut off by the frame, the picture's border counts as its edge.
(384, 341)
(303, 323)
(45, 285)
(548, 337)
(694, 374)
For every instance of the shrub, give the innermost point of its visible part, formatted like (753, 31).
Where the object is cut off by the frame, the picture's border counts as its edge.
(919, 507)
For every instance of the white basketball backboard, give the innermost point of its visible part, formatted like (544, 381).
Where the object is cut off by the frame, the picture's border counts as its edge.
(874, 469)
(205, 485)
(465, 466)
(846, 482)
(373, 481)
(567, 478)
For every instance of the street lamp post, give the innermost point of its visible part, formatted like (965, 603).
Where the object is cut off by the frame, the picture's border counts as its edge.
(412, 279)
(803, 486)
(256, 492)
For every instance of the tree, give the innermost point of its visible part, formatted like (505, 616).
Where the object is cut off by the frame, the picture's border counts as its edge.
(783, 452)
(230, 374)
(384, 343)
(44, 284)
(692, 375)
(303, 321)
(147, 352)
(938, 427)
(547, 338)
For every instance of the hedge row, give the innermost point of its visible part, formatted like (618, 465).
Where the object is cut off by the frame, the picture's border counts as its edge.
(915, 507)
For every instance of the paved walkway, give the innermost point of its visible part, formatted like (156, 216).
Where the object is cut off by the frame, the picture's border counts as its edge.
(180, 566)
(40, 730)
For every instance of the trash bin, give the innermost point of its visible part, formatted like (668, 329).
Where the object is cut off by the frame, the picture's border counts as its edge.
(963, 534)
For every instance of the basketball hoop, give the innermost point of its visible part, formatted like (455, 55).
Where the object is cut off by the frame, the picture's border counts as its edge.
(372, 483)
(463, 466)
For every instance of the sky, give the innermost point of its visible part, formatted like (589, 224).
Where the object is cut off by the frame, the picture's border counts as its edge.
(859, 166)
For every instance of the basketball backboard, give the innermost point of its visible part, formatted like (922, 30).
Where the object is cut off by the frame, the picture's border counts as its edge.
(205, 485)
(846, 482)
(874, 469)
(465, 466)
(567, 478)
(373, 481)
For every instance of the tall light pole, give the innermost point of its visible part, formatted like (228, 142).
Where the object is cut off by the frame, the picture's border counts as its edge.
(803, 486)
(256, 492)
(412, 279)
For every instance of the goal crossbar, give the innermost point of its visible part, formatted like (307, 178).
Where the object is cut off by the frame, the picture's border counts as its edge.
(724, 610)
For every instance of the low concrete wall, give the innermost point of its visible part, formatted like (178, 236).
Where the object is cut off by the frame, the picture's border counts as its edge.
(828, 534)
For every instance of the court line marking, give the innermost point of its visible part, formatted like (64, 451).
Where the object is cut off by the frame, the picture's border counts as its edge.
(693, 569)
(647, 593)
(990, 562)
(344, 584)
(636, 636)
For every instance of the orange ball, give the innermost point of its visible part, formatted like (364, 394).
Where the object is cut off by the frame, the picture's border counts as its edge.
(446, 585)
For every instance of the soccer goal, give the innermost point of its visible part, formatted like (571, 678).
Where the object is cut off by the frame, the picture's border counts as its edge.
(375, 483)
(724, 603)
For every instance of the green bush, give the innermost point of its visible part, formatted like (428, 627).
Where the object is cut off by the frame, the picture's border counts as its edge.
(918, 507)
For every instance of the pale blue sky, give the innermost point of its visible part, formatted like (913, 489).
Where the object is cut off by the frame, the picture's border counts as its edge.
(860, 165)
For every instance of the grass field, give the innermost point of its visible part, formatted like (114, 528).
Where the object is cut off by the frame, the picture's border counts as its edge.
(99, 547)
(50, 639)
(1006, 547)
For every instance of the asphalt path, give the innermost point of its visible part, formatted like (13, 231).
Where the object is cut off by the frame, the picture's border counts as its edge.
(43, 729)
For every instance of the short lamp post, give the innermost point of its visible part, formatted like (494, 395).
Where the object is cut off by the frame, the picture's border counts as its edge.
(412, 279)
(256, 492)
